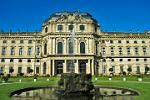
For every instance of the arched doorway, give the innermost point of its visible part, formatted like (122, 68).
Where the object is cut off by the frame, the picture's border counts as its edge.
(82, 67)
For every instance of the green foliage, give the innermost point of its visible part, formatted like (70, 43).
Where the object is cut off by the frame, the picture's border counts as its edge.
(30, 70)
(20, 74)
(11, 70)
(5, 78)
(110, 69)
(146, 69)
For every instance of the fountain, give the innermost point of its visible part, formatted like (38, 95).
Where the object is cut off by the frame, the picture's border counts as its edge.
(72, 84)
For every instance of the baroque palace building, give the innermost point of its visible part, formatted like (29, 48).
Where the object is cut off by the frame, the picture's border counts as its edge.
(73, 42)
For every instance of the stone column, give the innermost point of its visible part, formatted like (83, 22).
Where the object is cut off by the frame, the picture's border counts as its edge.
(54, 46)
(76, 67)
(92, 67)
(64, 67)
(88, 69)
(65, 46)
(48, 67)
(49, 46)
(53, 68)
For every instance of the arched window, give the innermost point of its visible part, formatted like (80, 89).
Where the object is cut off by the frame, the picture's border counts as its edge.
(45, 49)
(60, 48)
(82, 47)
(71, 47)
(44, 68)
(46, 29)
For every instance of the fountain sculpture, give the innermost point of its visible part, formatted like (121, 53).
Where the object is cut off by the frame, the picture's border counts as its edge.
(72, 84)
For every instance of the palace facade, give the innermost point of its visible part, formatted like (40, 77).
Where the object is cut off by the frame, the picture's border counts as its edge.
(73, 42)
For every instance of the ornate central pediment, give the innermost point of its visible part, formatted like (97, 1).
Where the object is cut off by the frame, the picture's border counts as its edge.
(70, 18)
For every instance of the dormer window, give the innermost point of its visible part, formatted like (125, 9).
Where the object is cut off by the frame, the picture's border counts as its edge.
(60, 27)
(82, 27)
(46, 29)
(71, 27)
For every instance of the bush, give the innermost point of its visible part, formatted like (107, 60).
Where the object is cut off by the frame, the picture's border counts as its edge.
(20, 74)
(5, 78)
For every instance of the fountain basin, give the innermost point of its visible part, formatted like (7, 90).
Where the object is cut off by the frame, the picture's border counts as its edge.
(48, 93)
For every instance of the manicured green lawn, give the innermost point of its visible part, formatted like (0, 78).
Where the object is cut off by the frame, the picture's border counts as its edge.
(142, 87)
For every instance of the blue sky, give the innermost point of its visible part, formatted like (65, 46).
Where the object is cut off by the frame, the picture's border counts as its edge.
(112, 15)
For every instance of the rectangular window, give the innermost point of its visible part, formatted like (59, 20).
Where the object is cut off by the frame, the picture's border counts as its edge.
(70, 27)
(111, 41)
(138, 70)
(121, 69)
(30, 41)
(19, 69)
(28, 70)
(29, 51)
(38, 51)
(13, 41)
(21, 41)
(20, 51)
(82, 27)
(60, 27)
(37, 70)
(3, 51)
(12, 51)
